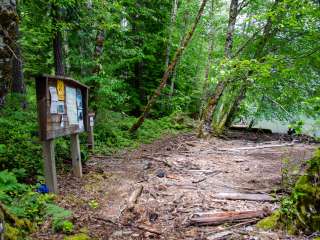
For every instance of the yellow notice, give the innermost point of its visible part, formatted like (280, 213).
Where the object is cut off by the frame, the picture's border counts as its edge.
(60, 90)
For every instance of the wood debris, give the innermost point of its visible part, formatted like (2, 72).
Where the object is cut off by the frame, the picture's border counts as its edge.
(203, 219)
(244, 196)
(133, 197)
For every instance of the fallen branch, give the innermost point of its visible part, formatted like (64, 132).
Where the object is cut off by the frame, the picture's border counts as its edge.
(226, 231)
(224, 217)
(200, 180)
(148, 229)
(244, 196)
(133, 197)
(257, 147)
(106, 220)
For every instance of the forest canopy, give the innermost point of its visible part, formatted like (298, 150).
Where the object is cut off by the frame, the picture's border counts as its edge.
(153, 67)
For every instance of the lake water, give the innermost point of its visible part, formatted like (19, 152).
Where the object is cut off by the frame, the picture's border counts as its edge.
(309, 128)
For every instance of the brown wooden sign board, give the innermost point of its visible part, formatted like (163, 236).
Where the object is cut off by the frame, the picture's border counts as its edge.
(62, 106)
(63, 110)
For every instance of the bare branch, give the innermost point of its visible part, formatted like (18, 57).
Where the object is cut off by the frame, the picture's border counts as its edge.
(247, 42)
(242, 5)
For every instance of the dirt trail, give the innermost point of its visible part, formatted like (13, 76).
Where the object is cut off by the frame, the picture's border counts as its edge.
(180, 177)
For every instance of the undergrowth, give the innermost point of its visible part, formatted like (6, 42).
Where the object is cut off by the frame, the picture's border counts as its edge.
(23, 210)
(111, 130)
(300, 211)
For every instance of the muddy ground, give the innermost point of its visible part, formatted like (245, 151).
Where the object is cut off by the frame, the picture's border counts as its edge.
(180, 177)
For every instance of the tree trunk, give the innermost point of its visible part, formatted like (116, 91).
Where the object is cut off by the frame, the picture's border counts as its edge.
(9, 22)
(58, 54)
(173, 20)
(205, 91)
(233, 13)
(57, 42)
(233, 106)
(18, 85)
(205, 124)
(98, 50)
(169, 69)
(66, 52)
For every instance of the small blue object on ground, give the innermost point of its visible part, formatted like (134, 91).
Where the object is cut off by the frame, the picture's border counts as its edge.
(42, 189)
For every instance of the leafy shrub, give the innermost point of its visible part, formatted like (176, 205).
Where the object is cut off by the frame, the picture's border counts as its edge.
(28, 209)
(64, 226)
(301, 210)
(20, 147)
(111, 130)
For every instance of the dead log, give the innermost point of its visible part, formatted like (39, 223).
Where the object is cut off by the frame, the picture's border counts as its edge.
(257, 147)
(244, 196)
(204, 219)
(199, 180)
(133, 197)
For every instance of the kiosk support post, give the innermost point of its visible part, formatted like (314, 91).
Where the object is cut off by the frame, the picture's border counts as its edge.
(76, 155)
(90, 132)
(50, 165)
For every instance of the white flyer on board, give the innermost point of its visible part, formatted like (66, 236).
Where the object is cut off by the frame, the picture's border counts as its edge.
(54, 100)
(71, 101)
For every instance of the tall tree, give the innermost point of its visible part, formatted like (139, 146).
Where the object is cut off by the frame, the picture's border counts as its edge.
(18, 85)
(169, 69)
(8, 26)
(57, 41)
(205, 125)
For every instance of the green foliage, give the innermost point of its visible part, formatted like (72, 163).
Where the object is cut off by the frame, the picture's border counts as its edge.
(20, 146)
(64, 226)
(300, 211)
(27, 206)
(110, 93)
(270, 222)
(112, 134)
(297, 126)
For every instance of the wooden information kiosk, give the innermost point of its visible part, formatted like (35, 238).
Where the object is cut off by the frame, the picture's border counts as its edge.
(62, 110)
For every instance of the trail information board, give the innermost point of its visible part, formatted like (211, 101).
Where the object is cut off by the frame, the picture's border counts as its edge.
(62, 106)
(63, 110)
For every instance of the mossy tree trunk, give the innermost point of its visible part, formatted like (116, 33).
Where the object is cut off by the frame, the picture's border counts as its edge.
(8, 25)
(205, 128)
(206, 123)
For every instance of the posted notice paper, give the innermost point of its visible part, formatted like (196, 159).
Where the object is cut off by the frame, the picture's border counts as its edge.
(54, 100)
(71, 101)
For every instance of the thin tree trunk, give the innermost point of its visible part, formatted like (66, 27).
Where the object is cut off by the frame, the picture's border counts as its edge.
(66, 52)
(18, 85)
(205, 91)
(170, 68)
(235, 105)
(233, 13)
(173, 20)
(98, 50)
(57, 42)
(205, 124)
(8, 25)
(58, 54)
